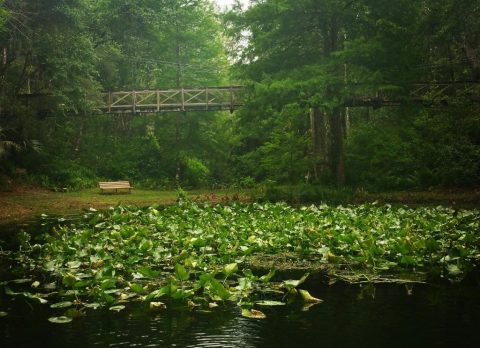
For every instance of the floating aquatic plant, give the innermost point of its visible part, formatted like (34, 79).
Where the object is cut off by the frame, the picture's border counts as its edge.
(197, 253)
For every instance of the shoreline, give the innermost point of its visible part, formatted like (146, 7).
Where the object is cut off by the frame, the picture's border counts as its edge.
(24, 203)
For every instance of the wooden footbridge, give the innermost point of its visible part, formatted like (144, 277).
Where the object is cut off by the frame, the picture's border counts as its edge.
(169, 100)
(232, 97)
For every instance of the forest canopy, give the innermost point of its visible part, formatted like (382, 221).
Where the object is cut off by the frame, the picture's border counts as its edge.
(373, 94)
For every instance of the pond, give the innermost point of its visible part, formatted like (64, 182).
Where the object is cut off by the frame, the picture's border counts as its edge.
(351, 315)
(431, 316)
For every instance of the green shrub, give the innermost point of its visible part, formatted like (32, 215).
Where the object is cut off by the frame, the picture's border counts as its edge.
(196, 173)
(247, 182)
(59, 175)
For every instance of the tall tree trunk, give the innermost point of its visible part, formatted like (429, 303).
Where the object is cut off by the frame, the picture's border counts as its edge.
(338, 146)
(318, 126)
(178, 115)
(78, 142)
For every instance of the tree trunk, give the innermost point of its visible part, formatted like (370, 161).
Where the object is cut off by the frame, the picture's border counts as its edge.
(318, 126)
(78, 142)
(337, 161)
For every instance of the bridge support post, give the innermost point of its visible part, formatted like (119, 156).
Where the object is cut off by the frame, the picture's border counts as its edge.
(110, 101)
(206, 99)
(134, 102)
(183, 99)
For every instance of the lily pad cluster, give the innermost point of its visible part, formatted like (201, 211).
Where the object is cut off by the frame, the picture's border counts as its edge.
(196, 253)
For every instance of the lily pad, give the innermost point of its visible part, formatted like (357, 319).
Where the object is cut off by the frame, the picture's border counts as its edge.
(60, 320)
(64, 304)
(253, 314)
(74, 264)
(117, 308)
(93, 305)
(155, 306)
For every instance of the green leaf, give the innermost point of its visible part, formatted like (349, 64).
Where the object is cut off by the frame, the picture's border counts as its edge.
(3, 314)
(108, 284)
(253, 314)
(60, 320)
(93, 305)
(291, 284)
(146, 245)
(266, 278)
(117, 308)
(82, 284)
(34, 297)
(219, 290)
(69, 280)
(454, 270)
(182, 294)
(137, 288)
(61, 304)
(229, 269)
(167, 290)
(74, 264)
(148, 272)
(181, 273)
(155, 306)
(309, 298)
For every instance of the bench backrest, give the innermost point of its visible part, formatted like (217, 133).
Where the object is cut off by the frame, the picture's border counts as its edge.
(114, 184)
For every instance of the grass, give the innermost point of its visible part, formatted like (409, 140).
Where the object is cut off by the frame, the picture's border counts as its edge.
(25, 203)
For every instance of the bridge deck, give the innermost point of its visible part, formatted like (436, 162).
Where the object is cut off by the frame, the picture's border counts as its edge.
(168, 100)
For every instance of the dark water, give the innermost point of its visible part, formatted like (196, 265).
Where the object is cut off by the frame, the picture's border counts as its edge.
(430, 317)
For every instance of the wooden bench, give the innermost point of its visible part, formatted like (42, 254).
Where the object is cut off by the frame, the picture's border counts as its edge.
(114, 185)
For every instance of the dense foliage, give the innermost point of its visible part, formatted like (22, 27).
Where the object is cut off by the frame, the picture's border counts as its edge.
(318, 56)
(199, 253)
(58, 56)
(302, 62)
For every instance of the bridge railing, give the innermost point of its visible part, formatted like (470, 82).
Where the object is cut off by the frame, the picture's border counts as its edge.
(181, 99)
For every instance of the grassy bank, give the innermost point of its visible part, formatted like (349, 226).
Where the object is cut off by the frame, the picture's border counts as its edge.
(27, 202)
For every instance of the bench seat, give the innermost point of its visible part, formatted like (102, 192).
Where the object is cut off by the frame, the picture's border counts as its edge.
(114, 185)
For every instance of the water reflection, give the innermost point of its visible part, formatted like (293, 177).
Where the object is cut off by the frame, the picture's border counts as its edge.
(428, 317)
(174, 328)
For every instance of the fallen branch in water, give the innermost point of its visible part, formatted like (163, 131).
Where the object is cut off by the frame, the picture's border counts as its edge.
(373, 279)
